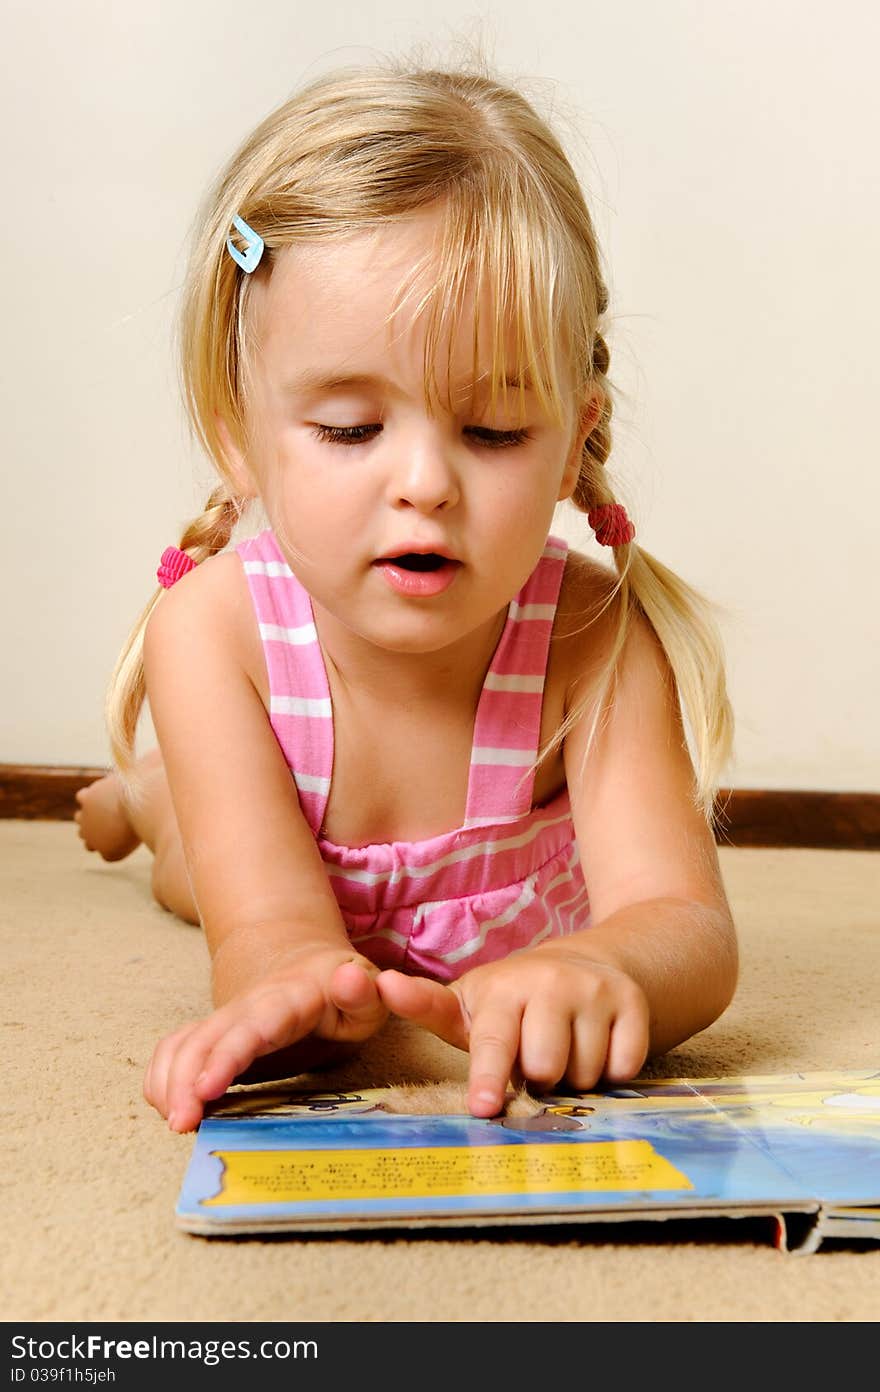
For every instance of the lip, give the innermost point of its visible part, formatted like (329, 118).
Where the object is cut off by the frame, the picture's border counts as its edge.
(418, 584)
(416, 548)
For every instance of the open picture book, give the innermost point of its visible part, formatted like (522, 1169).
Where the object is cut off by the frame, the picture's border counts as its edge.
(802, 1150)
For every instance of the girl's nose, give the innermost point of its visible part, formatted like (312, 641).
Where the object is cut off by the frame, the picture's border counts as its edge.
(424, 479)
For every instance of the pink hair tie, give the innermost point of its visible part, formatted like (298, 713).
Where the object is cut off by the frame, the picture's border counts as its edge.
(173, 564)
(611, 524)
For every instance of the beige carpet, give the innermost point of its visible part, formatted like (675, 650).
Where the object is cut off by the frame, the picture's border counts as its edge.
(94, 972)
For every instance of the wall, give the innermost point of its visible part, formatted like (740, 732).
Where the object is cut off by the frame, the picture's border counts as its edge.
(729, 150)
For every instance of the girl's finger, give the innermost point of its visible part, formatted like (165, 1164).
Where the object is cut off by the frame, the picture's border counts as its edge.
(229, 1056)
(229, 1041)
(156, 1076)
(427, 1003)
(354, 994)
(494, 1046)
(184, 1063)
(589, 1049)
(628, 1046)
(545, 1043)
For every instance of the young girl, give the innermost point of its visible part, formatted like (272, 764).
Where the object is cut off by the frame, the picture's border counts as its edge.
(416, 755)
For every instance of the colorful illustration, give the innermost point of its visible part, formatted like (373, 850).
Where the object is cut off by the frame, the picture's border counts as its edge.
(802, 1147)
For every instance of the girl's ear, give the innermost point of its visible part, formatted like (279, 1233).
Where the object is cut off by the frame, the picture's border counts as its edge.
(588, 418)
(240, 472)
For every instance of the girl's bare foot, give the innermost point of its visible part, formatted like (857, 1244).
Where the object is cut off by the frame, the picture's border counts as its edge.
(103, 820)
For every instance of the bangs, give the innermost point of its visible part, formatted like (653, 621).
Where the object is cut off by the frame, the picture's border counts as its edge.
(497, 265)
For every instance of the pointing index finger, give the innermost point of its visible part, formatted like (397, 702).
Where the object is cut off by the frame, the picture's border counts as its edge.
(494, 1046)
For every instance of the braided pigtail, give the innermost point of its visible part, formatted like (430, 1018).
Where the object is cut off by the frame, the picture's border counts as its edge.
(205, 536)
(591, 488)
(681, 618)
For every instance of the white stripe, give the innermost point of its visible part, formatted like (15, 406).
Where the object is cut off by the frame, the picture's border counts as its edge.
(512, 911)
(311, 783)
(555, 553)
(419, 872)
(498, 820)
(399, 938)
(517, 758)
(577, 898)
(272, 568)
(565, 877)
(306, 633)
(496, 682)
(518, 612)
(300, 705)
(578, 901)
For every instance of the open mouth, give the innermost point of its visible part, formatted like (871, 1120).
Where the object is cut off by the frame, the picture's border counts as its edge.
(419, 574)
(413, 560)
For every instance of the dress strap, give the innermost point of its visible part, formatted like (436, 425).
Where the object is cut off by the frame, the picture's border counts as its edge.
(300, 711)
(507, 729)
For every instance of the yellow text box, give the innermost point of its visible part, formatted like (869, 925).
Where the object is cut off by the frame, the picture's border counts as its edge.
(301, 1176)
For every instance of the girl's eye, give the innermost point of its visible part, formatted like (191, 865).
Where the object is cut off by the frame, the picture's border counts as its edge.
(358, 434)
(346, 434)
(499, 439)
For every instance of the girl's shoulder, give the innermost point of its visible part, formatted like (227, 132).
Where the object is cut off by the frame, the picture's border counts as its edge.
(215, 597)
(212, 592)
(586, 608)
(584, 579)
(587, 623)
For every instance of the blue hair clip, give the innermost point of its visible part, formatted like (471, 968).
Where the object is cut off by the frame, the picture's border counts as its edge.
(249, 259)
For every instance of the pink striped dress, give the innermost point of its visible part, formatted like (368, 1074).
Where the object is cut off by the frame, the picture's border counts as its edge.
(510, 876)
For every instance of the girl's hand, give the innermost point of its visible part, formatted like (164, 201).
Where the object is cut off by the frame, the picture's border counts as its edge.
(550, 1013)
(328, 995)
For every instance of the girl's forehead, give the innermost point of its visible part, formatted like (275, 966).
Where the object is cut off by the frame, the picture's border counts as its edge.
(371, 261)
(336, 304)
(387, 269)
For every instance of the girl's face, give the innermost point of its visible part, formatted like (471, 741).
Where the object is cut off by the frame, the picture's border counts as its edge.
(412, 529)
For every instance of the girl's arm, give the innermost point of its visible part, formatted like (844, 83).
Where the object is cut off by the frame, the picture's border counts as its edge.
(658, 906)
(658, 963)
(273, 927)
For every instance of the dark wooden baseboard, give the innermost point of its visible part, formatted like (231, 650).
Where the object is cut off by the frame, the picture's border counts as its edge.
(792, 817)
(42, 793)
(746, 816)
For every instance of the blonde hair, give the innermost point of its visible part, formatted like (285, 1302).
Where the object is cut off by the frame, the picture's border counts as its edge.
(353, 150)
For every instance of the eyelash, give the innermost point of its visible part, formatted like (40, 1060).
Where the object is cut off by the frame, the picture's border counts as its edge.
(359, 434)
